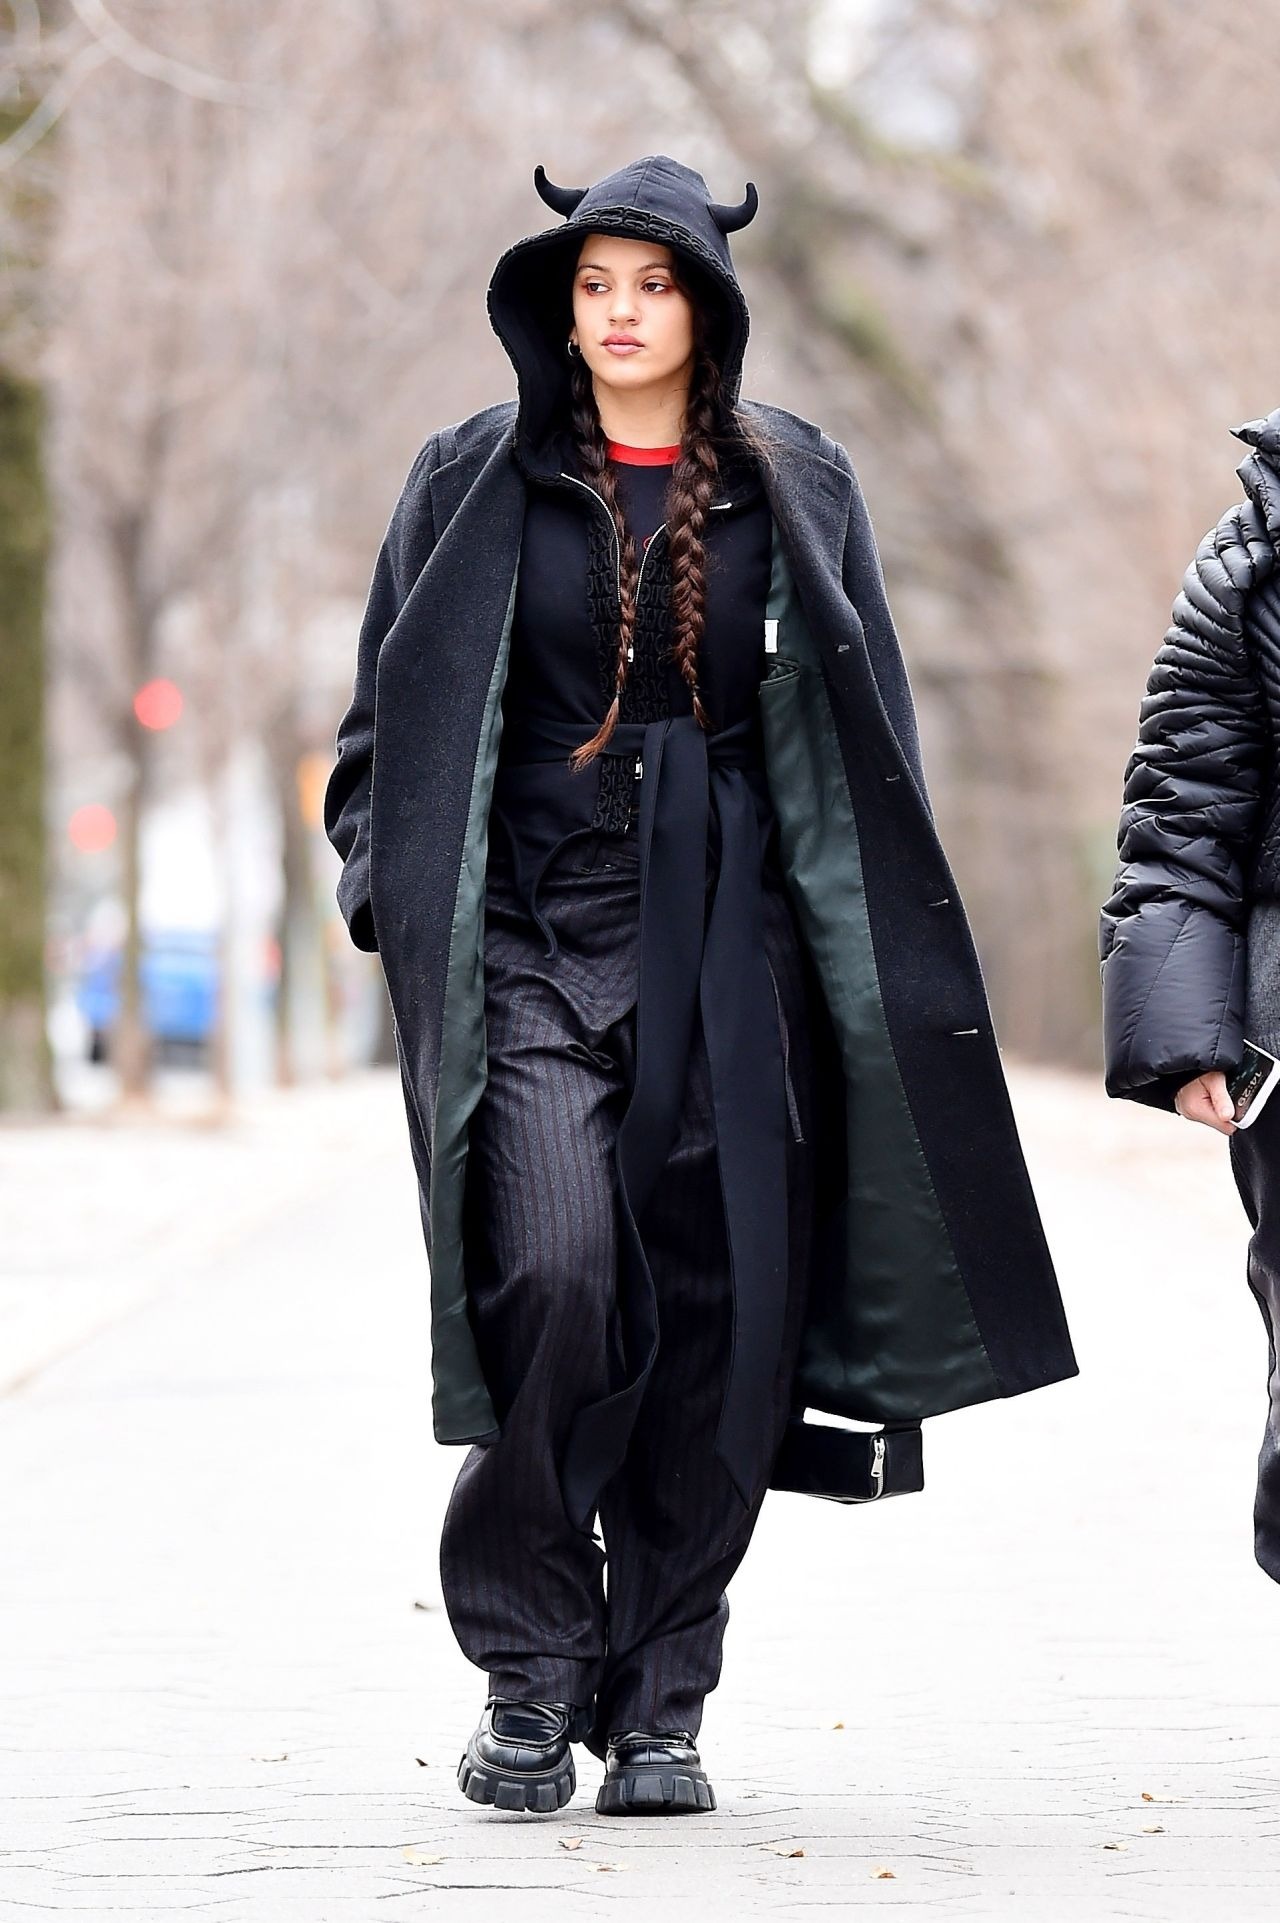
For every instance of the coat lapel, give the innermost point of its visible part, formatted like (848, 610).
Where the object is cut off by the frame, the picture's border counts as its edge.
(449, 484)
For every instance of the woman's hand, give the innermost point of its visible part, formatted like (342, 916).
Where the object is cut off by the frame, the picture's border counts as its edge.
(1206, 1100)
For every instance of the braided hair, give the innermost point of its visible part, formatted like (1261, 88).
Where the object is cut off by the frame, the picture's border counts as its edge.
(711, 430)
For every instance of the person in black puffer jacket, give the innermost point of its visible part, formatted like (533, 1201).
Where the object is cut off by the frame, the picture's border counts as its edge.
(1189, 936)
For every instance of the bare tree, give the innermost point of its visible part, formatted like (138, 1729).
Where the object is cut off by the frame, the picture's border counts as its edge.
(26, 1067)
(1005, 252)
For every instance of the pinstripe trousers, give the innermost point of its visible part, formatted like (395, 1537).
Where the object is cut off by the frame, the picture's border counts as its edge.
(635, 1622)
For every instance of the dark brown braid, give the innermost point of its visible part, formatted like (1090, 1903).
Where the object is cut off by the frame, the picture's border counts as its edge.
(690, 492)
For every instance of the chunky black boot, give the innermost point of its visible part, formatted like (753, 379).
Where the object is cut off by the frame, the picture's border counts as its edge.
(519, 1756)
(653, 1773)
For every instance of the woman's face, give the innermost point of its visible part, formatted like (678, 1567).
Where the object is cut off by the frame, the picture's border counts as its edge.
(627, 287)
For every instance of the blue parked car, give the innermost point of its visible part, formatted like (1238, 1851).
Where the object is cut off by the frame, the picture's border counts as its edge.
(179, 974)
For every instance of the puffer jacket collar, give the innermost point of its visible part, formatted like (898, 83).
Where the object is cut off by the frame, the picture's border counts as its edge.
(1259, 472)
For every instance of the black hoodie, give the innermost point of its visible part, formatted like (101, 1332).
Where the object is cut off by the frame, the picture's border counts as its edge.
(564, 637)
(530, 298)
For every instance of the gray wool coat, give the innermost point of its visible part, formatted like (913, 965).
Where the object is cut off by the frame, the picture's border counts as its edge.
(933, 1286)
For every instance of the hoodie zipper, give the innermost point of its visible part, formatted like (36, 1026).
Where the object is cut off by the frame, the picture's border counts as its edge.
(617, 556)
(617, 545)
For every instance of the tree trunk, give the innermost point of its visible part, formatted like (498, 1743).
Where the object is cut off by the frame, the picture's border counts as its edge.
(26, 1065)
(131, 1040)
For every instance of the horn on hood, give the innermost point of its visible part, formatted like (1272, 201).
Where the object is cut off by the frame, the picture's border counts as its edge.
(563, 199)
(729, 219)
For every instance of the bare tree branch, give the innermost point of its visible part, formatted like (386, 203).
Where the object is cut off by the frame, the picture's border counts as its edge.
(131, 52)
(50, 107)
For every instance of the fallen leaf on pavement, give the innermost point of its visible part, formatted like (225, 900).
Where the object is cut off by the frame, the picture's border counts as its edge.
(421, 1856)
(571, 1842)
(885, 1874)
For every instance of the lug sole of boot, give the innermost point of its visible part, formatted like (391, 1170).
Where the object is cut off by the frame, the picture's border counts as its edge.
(654, 1792)
(540, 1792)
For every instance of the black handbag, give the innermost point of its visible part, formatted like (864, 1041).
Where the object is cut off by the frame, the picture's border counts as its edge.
(850, 1465)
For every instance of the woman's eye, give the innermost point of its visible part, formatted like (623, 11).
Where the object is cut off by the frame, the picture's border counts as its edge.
(662, 286)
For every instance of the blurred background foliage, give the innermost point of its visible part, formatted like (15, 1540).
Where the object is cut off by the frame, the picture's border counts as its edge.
(1015, 254)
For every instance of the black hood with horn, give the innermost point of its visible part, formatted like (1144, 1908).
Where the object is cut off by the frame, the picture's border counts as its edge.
(530, 293)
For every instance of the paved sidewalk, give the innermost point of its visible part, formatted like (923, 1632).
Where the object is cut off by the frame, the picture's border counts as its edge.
(1046, 1687)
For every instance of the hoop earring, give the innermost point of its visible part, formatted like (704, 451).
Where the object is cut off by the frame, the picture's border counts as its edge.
(572, 348)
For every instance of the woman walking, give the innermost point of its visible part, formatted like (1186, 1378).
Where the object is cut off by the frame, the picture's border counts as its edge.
(707, 1111)
(1190, 934)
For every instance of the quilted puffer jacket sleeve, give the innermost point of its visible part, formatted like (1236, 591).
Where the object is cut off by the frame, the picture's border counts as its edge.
(1172, 934)
(402, 556)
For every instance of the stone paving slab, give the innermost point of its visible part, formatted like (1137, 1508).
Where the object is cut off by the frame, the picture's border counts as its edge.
(1046, 1687)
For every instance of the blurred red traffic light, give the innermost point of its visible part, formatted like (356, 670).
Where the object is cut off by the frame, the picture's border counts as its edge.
(158, 703)
(91, 827)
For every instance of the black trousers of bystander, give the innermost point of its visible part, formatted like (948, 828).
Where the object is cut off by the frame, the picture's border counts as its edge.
(1255, 1163)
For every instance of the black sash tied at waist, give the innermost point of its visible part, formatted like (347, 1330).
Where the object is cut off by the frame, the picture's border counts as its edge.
(691, 785)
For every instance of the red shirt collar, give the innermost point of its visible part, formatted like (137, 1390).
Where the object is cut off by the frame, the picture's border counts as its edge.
(641, 456)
